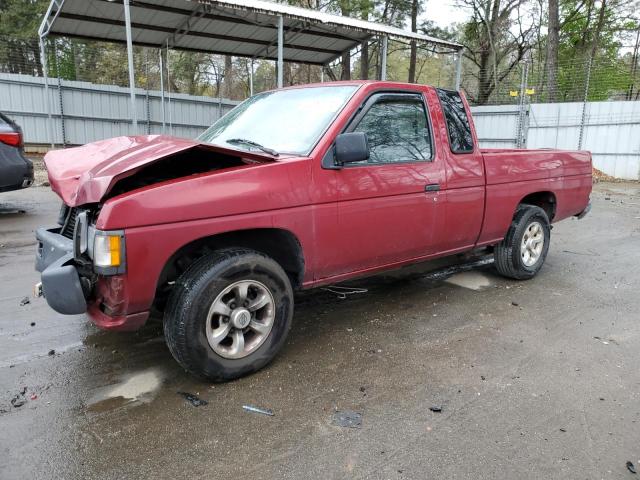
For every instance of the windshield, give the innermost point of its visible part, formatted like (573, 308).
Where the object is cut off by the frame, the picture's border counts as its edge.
(284, 121)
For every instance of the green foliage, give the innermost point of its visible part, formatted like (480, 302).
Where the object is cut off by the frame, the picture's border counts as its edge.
(19, 21)
(614, 70)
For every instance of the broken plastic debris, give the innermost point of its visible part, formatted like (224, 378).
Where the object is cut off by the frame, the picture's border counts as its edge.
(18, 400)
(24, 301)
(347, 418)
(262, 411)
(193, 399)
(631, 467)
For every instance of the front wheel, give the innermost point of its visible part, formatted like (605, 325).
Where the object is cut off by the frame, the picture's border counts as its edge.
(229, 314)
(524, 249)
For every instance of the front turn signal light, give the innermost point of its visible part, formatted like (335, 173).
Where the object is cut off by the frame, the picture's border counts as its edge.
(107, 250)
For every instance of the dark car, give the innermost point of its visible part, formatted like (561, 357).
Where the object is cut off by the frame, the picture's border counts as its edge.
(16, 171)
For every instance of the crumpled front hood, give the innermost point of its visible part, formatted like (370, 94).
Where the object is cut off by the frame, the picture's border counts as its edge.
(86, 174)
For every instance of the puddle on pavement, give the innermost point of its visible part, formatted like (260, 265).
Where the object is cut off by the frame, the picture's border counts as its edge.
(473, 280)
(135, 388)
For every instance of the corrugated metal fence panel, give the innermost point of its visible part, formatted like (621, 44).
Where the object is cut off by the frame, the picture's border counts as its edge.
(611, 133)
(554, 125)
(496, 126)
(22, 97)
(94, 112)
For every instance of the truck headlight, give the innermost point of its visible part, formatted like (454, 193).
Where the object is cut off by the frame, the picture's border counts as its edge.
(109, 252)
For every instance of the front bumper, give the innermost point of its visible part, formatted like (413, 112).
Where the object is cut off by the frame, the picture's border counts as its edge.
(62, 286)
(70, 292)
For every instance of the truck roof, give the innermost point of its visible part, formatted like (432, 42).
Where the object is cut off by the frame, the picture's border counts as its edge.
(385, 83)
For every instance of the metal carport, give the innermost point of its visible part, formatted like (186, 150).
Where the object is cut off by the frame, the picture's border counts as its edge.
(244, 28)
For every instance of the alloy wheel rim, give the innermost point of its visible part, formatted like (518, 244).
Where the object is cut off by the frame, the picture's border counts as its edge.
(240, 319)
(532, 244)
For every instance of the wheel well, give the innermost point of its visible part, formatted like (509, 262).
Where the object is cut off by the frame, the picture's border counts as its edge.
(281, 245)
(544, 200)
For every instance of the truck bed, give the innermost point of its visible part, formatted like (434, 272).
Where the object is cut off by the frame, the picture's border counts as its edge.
(517, 165)
(564, 176)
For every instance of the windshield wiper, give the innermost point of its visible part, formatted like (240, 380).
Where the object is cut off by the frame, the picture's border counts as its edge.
(251, 143)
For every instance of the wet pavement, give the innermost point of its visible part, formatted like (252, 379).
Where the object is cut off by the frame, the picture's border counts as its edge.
(536, 379)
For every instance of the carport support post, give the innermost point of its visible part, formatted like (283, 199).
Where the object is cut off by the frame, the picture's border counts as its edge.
(161, 63)
(383, 58)
(132, 83)
(251, 79)
(458, 69)
(280, 50)
(47, 100)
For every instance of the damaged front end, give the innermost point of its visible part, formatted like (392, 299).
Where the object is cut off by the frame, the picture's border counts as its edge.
(64, 288)
(73, 255)
(83, 269)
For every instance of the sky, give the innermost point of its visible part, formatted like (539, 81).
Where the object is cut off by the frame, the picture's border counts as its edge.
(443, 13)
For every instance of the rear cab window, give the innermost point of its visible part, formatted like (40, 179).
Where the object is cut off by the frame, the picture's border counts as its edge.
(458, 126)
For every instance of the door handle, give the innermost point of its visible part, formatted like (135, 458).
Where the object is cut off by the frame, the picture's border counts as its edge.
(432, 187)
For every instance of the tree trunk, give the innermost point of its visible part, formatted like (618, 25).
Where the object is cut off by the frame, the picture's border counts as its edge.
(330, 74)
(228, 77)
(364, 47)
(414, 47)
(345, 9)
(287, 74)
(552, 50)
(364, 60)
(36, 55)
(599, 26)
(484, 79)
(487, 54)
(634, 67)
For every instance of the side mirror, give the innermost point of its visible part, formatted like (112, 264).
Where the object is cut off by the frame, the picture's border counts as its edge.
(351, 147)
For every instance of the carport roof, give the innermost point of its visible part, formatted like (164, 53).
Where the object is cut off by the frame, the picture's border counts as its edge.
(245, 28)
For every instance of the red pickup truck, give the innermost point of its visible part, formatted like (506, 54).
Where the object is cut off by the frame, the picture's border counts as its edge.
(293, 189)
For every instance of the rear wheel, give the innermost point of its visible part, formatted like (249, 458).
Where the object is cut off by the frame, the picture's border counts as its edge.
(229, 314)
(524, 249)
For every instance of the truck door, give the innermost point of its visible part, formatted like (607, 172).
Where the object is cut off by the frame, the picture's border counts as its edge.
(389, 206)
(464, 169)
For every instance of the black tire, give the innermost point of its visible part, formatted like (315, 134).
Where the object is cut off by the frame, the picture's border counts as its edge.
(190, 300)
(508, 255)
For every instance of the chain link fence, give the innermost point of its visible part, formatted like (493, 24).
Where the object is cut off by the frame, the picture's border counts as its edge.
(610, 78)
(600, 79)
(592, 105)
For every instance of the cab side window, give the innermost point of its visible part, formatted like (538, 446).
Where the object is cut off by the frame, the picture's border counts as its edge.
(397, 130)
(458, 128)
